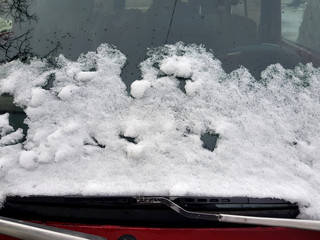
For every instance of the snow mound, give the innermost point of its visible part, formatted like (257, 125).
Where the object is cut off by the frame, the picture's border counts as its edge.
(88, 136)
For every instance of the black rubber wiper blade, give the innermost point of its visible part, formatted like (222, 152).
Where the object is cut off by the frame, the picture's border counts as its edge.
(226, 218)
(32, 231)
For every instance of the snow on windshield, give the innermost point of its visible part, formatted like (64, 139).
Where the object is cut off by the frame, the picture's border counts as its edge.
(87, 136)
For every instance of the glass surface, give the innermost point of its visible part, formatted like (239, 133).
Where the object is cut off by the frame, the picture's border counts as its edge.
(300, 23)
(71, 27)
(47, 28)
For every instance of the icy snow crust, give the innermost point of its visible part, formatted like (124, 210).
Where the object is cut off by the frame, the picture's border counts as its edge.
(269, 144)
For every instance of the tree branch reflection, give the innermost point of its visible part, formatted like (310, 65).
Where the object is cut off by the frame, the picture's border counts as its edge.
(17, 46)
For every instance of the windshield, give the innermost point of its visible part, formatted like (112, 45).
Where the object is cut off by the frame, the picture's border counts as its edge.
(161, 97)
(47, 28)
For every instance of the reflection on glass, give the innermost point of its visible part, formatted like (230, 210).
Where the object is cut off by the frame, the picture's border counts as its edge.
(310, 27)
(292, 15)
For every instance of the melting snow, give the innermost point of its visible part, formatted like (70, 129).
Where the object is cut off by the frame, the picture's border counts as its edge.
(77, 141)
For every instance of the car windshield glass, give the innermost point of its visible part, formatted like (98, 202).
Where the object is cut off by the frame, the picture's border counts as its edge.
(161, 97)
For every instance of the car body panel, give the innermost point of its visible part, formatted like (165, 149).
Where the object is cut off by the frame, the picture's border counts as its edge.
(140, 233)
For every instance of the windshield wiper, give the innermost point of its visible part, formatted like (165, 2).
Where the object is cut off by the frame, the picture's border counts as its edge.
(26, 230)
(226, 218)
(32, 231)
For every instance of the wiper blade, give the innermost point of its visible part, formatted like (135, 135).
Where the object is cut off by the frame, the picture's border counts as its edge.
(226, 218)
(32, 231)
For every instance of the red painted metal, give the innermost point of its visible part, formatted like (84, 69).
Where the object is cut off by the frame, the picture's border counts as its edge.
(140, 233)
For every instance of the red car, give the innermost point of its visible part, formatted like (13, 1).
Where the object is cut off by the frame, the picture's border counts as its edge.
(249, 33)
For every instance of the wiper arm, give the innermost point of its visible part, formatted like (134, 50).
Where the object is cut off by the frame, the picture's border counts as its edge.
(32, 231)
(226, 218)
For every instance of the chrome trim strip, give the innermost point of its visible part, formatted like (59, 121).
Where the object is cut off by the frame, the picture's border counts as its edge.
(32, 231)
